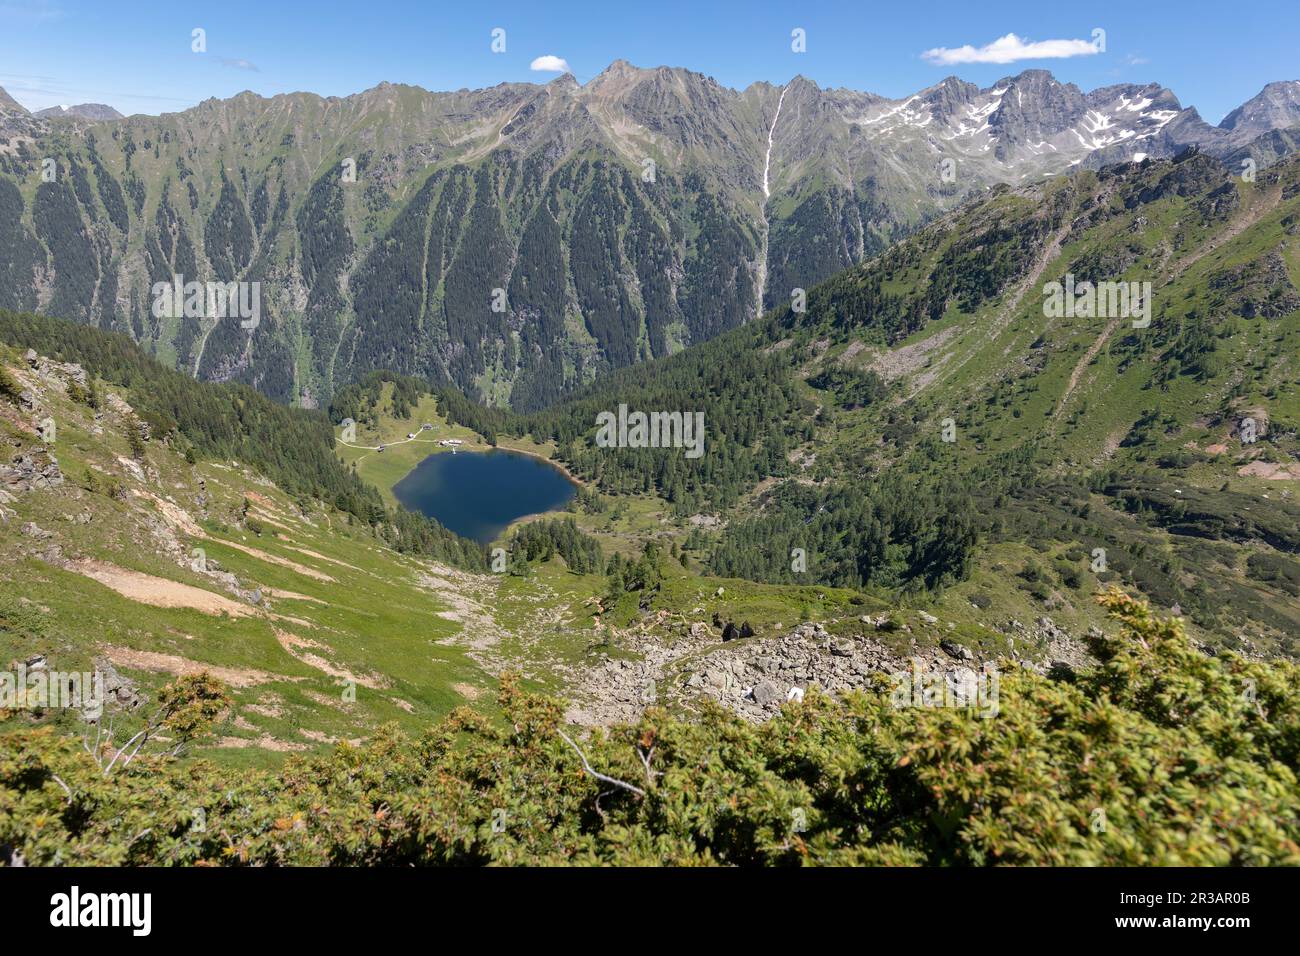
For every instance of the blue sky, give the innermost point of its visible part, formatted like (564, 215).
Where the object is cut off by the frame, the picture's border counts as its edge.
(137, 57)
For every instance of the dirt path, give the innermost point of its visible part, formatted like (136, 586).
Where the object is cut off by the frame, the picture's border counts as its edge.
(290, 595)
(274, 559)
(1256, 211)
(180, 666)
(1003, 317)
(1082, 364)
(388, 444)
(299, 648)
(323, 557)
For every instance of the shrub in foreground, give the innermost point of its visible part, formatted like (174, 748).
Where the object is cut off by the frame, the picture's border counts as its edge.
(1159, 755)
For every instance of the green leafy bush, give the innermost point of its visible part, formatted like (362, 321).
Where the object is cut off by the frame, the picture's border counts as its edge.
(1159, 755)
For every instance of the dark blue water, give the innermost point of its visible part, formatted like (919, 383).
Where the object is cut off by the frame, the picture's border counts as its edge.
(478, 493)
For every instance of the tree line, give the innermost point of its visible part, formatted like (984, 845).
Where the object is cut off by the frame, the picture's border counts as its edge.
(293, 447)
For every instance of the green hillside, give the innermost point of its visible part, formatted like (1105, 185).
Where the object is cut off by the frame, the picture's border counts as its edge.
(927, 470)
(1070, 437)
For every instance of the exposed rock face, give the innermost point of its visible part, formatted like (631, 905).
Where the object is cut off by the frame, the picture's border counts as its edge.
(1058, 645)
(1261, 288)
(732, 631)
(753, 677)
(756, 676)
(955, 650)
(92, 112)
(32, 470)
(1276, 106)
(793, 183)
(59, 373)
(765, 694)
(118, 690)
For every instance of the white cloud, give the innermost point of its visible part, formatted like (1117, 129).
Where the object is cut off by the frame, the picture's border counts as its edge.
(550, 64)
(1009, 49)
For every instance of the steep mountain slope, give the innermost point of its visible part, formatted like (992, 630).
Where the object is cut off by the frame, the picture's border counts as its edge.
(931, 423)
(515, 241)
(1273, 107)
(1162, 449)
(126, 554)
(129, 551)
(926, 464)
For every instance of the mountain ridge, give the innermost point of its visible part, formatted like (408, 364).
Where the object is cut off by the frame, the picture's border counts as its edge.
(92, 112)
(518, 240)
(1084, 454)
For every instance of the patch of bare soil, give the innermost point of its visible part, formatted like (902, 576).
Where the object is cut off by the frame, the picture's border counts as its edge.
(1270, 470)
(322, 557)
(326, 701)
(180, 666)
(291, 595)
(297, 621)
(158, 592)
(11, 416)
(172, 513)
(269, 705)
(468, 691)
(274, 559)
(265, 742)
(901, 362)
(262, 516)
(297, 647)
(321, 737)
(260, 499)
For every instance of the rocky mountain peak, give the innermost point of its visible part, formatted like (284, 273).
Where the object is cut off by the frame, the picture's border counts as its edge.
(950, 97)
(10, 106)
(1276, 106)
(565, 81)
(1028, 79)
(794, 181)
(94, 112)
